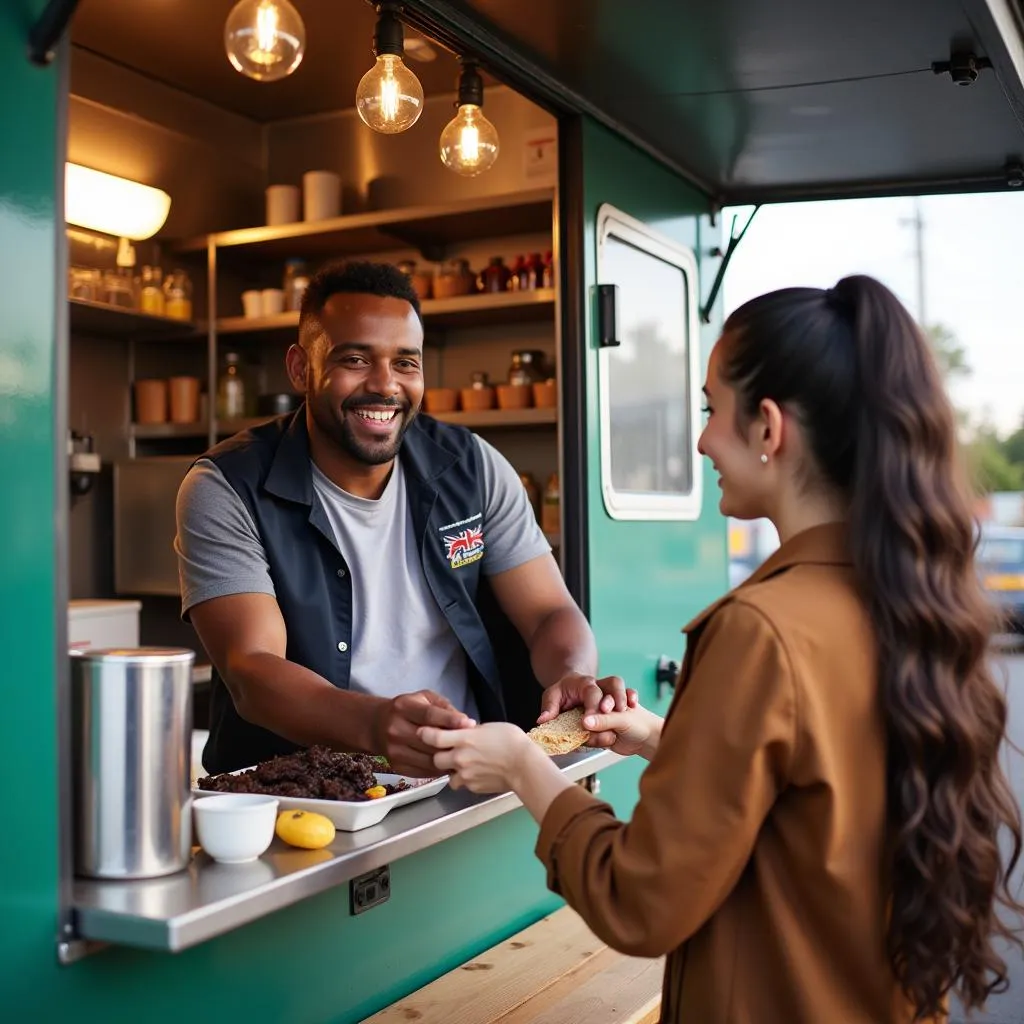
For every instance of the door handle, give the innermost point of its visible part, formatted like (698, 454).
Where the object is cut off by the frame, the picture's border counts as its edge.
(666, 674)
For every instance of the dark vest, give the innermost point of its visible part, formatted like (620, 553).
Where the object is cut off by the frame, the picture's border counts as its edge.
(269, 469)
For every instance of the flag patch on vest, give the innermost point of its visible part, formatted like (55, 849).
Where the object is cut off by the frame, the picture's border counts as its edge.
(465, 547)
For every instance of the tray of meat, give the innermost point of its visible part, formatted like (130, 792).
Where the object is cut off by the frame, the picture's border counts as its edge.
(354, 790)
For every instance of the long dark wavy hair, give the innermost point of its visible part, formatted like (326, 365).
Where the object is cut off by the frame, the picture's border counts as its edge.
(851, 364)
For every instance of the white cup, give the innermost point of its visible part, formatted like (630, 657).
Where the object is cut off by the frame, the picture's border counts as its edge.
(282, 204)
(273, 301)
(235, 828)
(321, 192)
(252, 303)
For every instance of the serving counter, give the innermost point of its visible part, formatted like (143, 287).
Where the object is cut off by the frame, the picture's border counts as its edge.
(209, 899)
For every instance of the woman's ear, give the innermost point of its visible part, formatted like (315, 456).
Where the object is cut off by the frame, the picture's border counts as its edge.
(770, 428)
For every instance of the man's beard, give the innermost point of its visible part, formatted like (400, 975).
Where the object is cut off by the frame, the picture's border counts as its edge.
(338, 427)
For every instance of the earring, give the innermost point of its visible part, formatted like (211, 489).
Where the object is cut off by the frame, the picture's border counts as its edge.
(764, 459)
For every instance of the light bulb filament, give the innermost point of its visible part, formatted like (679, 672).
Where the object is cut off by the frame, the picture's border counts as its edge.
(470, 143)
(267, 22)
(389, 93)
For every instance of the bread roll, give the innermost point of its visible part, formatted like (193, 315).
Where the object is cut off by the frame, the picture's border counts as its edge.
(562, 735)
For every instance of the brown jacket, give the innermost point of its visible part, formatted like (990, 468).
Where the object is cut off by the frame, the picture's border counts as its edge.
(755, 855)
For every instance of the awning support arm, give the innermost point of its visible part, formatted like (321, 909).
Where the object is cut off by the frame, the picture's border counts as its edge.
(46, 33)
(734, 241)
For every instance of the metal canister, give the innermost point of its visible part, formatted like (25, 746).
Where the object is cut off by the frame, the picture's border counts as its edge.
(132, 721)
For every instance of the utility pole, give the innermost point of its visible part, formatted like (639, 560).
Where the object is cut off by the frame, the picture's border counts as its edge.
(917, 223)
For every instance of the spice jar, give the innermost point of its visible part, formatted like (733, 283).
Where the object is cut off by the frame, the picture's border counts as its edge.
(453, 278)
(551, 509)
(479, 395)
(178, 295)
(527, 367)
(151, 296)
(118, 289)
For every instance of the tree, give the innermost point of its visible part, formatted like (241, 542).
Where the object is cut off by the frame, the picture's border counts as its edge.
(990, 467)
(950, 354)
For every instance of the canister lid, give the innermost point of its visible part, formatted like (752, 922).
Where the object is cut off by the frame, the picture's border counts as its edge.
(137, 655)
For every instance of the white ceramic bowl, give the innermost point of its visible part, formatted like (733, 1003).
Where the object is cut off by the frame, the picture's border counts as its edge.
(235, 828)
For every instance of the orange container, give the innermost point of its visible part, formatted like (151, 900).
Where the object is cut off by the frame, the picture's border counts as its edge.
(477, 399)
(440, 400)
(545, 394)
(151, 401)
(184, 395)
(514, 396)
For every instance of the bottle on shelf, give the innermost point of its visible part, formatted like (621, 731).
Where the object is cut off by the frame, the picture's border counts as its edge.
(532, 492)
(231, 390)
(551, 508)
(151, 294)
(178, 295)
(296, 280)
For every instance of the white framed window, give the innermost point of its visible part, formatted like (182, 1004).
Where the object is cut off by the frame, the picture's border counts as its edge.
(649, 383)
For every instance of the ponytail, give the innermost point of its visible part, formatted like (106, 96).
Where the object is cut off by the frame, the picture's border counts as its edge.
(855, 367)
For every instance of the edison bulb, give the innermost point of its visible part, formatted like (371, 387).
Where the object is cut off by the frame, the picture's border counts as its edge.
(264, 39)
(389, 97)
(469, 142)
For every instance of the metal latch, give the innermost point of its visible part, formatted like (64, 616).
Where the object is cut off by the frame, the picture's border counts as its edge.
(666, 674)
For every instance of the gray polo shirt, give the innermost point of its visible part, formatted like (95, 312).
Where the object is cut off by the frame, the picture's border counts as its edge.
(400, 639)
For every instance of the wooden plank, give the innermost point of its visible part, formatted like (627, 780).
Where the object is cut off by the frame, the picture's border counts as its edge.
(607, 989)
(502, 978)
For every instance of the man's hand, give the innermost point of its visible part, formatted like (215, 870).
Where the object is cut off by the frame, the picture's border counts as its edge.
(396, 728)
(595, 695)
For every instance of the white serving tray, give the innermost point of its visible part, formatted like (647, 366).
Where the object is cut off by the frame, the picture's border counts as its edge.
(352, 815)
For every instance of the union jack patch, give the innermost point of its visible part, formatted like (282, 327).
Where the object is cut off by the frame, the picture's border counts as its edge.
(465, 547)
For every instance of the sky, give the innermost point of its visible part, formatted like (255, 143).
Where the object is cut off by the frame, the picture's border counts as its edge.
(973, 275)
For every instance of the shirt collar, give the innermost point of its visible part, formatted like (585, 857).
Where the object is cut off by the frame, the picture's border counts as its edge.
(827, 544)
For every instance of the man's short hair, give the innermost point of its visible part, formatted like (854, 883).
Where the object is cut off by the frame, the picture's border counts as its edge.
(361, 277)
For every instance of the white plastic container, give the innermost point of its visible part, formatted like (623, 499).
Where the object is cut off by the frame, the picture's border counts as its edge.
(101, 623)
(321, 194)
(353, 815)
(282, 204)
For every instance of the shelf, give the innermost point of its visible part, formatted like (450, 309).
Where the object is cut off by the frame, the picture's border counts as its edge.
(498, 419)
(426, 228)
(158, 431)
(98, 320)
(477, 310)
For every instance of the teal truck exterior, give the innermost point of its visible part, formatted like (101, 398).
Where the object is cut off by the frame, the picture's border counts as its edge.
(312, 962)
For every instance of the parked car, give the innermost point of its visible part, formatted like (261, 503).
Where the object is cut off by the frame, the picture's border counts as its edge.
(1000, 562)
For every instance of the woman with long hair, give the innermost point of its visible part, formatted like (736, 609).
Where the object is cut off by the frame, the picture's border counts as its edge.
(817, 836)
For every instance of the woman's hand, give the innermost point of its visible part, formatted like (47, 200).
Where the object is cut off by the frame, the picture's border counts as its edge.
(633, 731)
(487, 759)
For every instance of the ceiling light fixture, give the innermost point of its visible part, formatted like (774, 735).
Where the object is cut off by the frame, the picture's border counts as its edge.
(469, 142)
(264, 39)
(389, 97)
(113, 205)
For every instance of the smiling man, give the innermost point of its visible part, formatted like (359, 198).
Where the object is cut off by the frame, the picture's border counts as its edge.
(333, 561)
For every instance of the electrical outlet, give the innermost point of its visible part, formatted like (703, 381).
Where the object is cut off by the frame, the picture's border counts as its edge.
(370, 890)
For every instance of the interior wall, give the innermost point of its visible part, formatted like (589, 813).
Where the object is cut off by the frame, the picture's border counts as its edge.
(384, 171)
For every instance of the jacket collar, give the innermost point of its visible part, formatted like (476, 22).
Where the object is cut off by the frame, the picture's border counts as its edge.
(290, 476)
(827, 544)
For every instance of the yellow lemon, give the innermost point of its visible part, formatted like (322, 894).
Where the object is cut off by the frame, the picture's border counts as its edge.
(305, 829)
(376, 792)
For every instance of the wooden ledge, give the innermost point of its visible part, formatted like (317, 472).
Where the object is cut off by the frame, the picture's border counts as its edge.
(554, 972)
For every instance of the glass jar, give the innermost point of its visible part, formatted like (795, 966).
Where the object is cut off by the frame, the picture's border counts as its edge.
(178, 295)
(85, 283)
(527, 367)
(151, 295)
(118, 290)
(296, 281)
(532, 492)
(231, 390)
(453, 278)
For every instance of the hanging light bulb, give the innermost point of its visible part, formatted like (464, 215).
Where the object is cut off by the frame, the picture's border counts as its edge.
(469, 142)
(264, 39)
(389, 97)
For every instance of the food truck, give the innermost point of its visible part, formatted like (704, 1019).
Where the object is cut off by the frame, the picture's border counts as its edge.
(571, 293)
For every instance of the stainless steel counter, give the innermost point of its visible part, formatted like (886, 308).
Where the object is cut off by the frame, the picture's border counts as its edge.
(208, 899)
